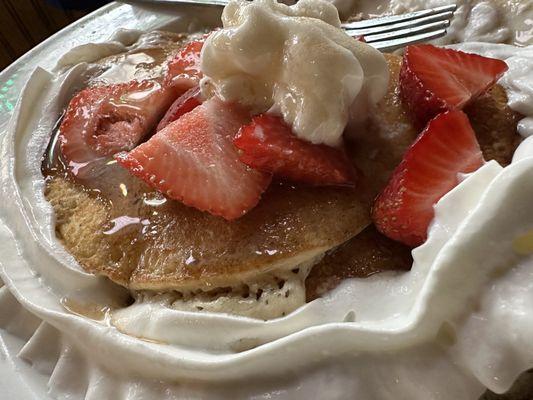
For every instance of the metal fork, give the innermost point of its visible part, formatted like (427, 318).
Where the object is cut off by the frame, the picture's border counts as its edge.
(384, 33)
(396, 31)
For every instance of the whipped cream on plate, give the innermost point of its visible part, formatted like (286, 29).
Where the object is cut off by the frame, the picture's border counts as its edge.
(459, 322)
(296, 61)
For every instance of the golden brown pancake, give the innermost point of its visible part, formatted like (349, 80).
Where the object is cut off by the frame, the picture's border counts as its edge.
(118, 227)
(186, 249)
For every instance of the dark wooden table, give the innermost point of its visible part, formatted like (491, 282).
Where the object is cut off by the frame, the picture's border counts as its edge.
(26, 23)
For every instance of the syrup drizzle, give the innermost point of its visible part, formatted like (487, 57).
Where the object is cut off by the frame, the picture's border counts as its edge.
(129, 201)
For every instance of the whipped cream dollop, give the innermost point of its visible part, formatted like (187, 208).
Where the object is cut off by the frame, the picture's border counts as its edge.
(295, 61)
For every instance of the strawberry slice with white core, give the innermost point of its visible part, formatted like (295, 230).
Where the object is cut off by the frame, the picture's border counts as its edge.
(268, 144)
(193, 160)
(188, 101)
(101, 121)
(435, 79)
(429, 170)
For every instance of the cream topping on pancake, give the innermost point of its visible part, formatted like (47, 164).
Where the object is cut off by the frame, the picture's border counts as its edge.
(296, 61)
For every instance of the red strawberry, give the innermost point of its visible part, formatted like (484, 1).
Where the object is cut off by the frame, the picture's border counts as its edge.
(184, 68)
(193, 160)
(435, 79)
(185, 103)
(268, 144)
(447, 147)
(101, 121)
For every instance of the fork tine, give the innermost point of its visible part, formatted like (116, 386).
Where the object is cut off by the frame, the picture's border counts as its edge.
(382, 21)
(443, 16)
(431, 27)
(390, 45)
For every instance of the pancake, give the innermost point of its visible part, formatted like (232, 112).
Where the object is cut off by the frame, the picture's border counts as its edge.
(192, 253)
(118, 227)
(143, 241)
(172, 246)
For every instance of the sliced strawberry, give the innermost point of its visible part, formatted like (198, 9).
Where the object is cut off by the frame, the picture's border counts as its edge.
(184, 69)
(193, 160)
(268, 144)
(101, 121)
(185, 103)
(434, 79)
(429, 169)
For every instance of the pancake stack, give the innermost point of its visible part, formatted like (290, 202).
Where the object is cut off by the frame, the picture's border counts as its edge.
(296, 245)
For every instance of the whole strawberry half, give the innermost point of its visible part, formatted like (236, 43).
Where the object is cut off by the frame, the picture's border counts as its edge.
(429, 169)
(435, 79)
(193, 160)
(268, 144)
